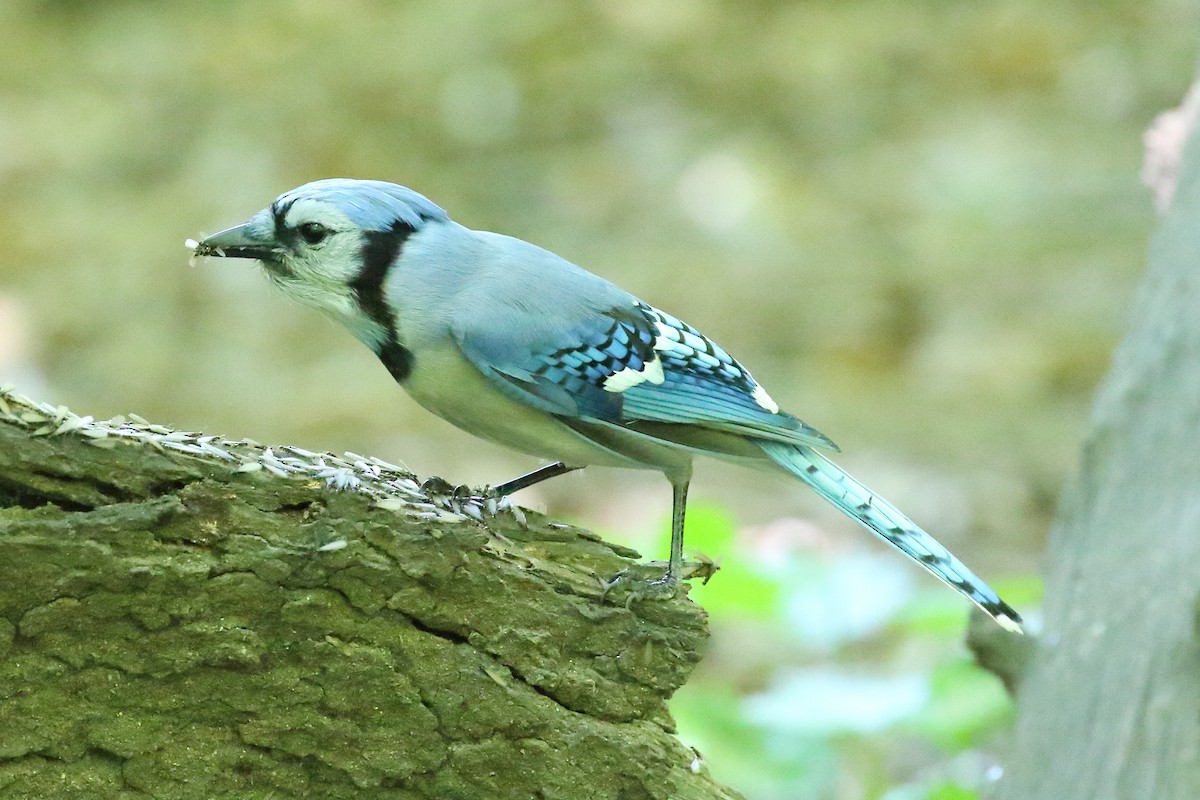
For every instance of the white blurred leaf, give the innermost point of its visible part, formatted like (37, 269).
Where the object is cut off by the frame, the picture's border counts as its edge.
(848, 599)
(822, 702)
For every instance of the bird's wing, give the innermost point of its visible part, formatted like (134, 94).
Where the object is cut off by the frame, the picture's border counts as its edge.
(630, 363)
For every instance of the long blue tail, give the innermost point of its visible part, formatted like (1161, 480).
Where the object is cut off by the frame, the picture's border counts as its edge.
(885, 520)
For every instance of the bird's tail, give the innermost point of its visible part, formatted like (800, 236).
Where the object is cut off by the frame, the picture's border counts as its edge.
(885, 520)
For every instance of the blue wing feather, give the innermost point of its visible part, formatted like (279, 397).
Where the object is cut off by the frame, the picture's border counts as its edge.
(700, 383)
(567, 376)
(705, 385)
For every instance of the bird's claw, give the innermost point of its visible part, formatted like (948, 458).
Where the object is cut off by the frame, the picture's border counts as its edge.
(640, 588)
(437, 488)
(664, 588)
(475, 503)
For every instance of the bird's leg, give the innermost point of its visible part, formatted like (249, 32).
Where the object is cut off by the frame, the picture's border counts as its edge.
(440, 486)
(665, 587)
(529, 479)
(496, 497)
(678, 510)
(489, 500)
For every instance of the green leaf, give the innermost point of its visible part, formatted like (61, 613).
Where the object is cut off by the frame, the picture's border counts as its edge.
(967, 704)
(737, 588)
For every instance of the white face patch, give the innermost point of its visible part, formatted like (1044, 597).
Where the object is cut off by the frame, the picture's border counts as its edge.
(629, 377)
(763, 399)
(319, 273)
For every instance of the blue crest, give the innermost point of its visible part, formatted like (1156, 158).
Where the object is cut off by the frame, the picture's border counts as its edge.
(371, 205)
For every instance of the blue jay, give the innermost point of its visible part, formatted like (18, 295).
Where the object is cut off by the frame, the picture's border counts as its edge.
(519, 346)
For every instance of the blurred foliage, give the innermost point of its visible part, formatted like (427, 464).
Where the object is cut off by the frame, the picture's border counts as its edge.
(826, 678)
(919, 223)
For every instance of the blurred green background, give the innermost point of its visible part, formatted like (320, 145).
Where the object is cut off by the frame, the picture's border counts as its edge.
(918, 223)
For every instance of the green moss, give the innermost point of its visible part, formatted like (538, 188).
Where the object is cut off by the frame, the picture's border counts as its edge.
(198, 644)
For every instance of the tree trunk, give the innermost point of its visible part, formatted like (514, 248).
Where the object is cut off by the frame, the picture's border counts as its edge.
(1111, 705)
(190, 617)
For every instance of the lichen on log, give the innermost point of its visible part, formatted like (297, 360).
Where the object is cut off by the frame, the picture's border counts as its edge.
(177, 622)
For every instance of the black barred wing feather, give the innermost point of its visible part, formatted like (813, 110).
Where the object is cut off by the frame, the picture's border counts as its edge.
(705, 385)
(581, 373)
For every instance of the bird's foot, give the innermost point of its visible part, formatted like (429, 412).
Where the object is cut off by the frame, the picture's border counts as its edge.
(637, 587)
(474, 503)
(495, 502)
(437, 488)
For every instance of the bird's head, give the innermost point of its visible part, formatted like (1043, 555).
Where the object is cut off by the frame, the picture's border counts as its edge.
(321, 242)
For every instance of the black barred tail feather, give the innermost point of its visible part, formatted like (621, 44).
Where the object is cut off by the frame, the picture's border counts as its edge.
(882, 518)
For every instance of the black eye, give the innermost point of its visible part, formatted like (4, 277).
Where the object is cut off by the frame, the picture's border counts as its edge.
(313, 232)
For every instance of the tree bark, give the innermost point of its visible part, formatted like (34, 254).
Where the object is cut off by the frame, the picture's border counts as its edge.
(1110, 708)
(178, 620)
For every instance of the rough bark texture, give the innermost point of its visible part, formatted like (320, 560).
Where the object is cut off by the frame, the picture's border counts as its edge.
(170, 628)
(1111, 706)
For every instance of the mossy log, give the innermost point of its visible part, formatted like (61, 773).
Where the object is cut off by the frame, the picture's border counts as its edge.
(175, 624)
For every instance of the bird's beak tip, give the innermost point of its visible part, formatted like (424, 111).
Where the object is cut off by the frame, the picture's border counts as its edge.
(240, 241)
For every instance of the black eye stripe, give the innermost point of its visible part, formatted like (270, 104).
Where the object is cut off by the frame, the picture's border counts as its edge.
(279, 212)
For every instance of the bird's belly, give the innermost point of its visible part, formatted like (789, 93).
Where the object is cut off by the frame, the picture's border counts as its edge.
(446, 384)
